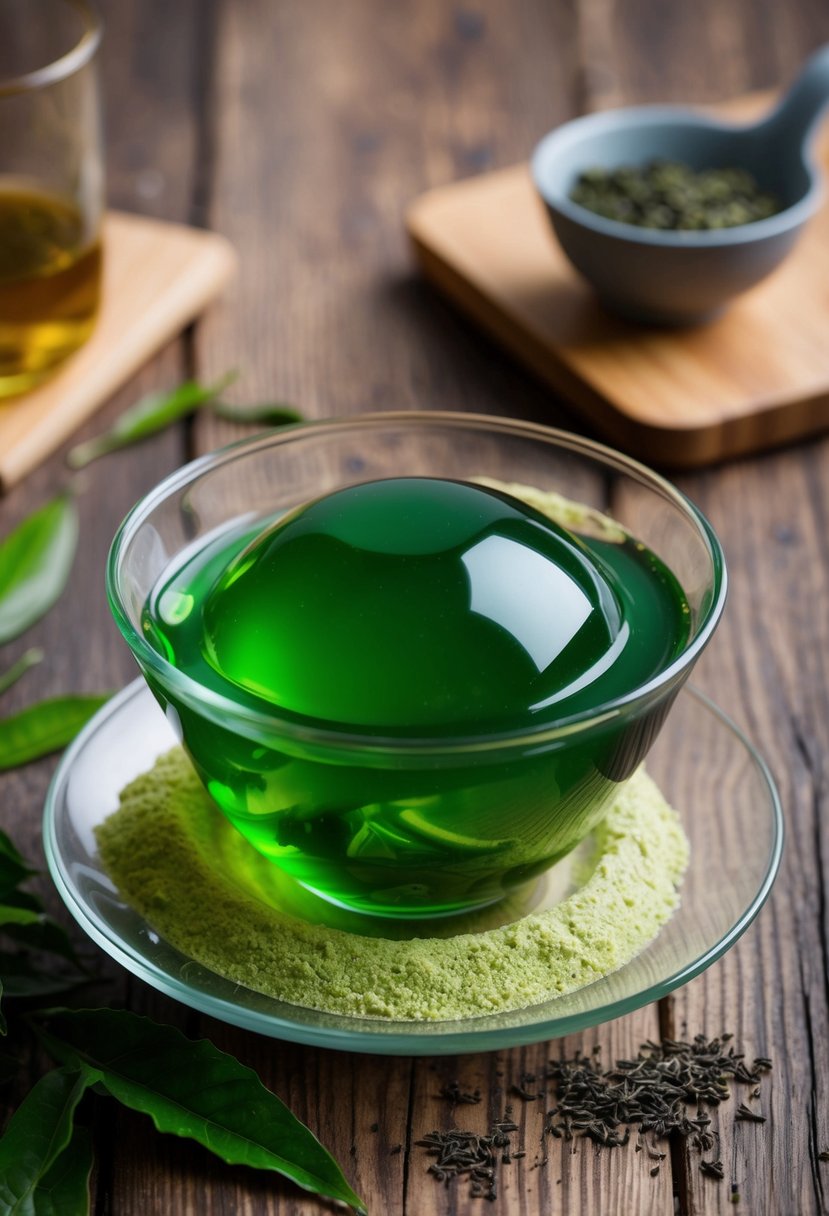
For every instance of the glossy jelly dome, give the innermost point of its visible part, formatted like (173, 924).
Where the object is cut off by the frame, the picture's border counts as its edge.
(420, 606)
(400, 642)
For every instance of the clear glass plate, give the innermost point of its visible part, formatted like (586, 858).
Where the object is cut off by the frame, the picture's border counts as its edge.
(710, 773)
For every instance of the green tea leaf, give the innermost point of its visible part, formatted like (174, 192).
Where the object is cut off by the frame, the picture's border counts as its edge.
(10, 1064)
(22, 983)
(37, 1134)
(193, 1089)
(35, 561)
(39, 932)
(148, 416)
(24, 899)
(64, 1188)
(45, 727)
(13, 868)
(268, 413)
(18, 916)
(30, 658)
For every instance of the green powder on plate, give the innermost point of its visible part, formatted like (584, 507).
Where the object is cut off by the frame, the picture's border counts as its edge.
(196, 881)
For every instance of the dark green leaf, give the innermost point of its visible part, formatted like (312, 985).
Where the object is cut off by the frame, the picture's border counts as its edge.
(21, 982)
(35, 560)
(30, 658)
(38, 1132)
(148, 416)
(3, 1027)
(39, 933)
(193, 1089)
(9, 849)
(64, 1188)
(18, 916)
(13, 868)
(10, 1064)
(268, 413)
(24, 899)
(45, 727)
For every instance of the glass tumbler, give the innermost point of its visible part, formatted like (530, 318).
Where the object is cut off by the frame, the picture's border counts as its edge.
(51, 186)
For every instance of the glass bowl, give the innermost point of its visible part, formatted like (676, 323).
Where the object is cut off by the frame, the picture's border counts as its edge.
(717, 782)
(409, 822)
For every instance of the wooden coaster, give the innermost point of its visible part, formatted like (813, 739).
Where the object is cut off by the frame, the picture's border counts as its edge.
(756, 377)
(157, 277)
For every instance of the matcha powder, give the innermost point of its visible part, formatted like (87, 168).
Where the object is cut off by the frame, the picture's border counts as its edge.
(184, 868)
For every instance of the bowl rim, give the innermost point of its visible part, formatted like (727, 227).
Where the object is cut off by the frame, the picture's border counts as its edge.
(311, 731)
(640, 117)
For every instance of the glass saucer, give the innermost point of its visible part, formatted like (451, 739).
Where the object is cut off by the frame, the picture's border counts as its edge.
(716, 780)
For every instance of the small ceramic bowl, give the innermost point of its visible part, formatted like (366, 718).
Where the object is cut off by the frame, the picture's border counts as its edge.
(673, 277)
(412, 823)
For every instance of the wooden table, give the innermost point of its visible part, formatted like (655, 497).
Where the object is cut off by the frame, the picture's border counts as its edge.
(302, 130)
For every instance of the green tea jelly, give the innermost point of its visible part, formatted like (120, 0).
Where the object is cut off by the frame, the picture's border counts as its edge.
(400, 610)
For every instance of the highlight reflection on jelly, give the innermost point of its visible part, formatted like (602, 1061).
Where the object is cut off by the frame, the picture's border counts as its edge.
(425, 611)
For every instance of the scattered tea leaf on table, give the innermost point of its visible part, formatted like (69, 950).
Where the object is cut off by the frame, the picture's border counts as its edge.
(36, 1136)
(151, 414)
(35, 561)
(268, 413)
(192, 1089)
(30, 658)
(45, 727)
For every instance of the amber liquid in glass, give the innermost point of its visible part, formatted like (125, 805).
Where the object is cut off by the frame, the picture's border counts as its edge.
(49, 285)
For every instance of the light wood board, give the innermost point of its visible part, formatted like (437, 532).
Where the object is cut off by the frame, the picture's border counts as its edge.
(755, 377)
(158, 276)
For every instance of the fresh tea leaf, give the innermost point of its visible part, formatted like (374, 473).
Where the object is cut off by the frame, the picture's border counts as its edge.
(14, 869)
(148, 416)
(268, 413)
(9, 849)
(24, 899)
(20, 982)
(30, 658)
(64, 1188)
(18, 916)
(38, 932)
(193, 1089)
(45, 727)
(35, 561)
(10, 1064)
(36, 1136)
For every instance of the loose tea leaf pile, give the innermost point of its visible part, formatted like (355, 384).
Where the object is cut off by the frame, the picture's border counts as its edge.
(664, 1091)
(652, 1092)
(477, 1157)
(669, 195)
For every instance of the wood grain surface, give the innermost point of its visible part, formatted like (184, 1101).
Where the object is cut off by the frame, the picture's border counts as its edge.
(302, 131)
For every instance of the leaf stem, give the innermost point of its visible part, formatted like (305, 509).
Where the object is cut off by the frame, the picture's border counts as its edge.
(29, 658)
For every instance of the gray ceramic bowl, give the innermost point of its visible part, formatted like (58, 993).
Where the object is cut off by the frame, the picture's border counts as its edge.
(681, 277)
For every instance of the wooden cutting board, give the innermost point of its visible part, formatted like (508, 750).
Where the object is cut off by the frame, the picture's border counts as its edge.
(158, 276)
(756, 377)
